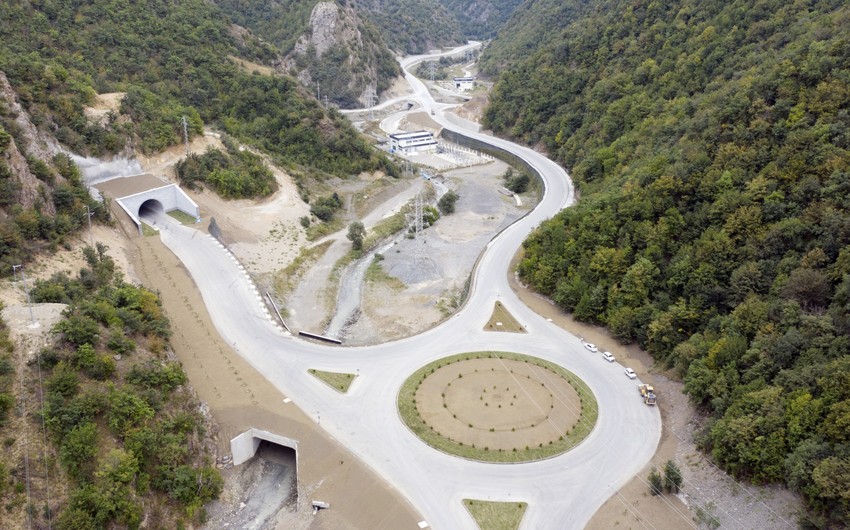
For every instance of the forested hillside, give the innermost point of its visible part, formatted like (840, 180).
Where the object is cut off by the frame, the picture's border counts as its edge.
(414, 26)
(481, 19)
(531, 25)
(106, 432)
(173, 59)
(711, 143)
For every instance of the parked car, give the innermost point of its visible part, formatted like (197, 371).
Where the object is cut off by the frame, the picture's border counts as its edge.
(630, 373)
(591, 347)
(608, 356)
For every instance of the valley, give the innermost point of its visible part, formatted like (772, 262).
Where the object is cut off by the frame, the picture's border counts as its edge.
(708, 253)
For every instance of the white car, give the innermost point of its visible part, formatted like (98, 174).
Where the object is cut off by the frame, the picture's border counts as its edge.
(608, 356)
(591, 347)
(630, 373)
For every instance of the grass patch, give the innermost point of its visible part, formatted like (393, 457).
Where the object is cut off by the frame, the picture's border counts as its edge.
(320, 229)
(148, 230)
(338, 381)
(376, 274)
(183, 217)
(502, 320)
(285, 279)
(410, 414)
(249, 67)
(385, 228)
(366, 200)
(496, 515)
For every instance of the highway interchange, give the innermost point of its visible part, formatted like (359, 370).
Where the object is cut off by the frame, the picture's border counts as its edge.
(561, 492)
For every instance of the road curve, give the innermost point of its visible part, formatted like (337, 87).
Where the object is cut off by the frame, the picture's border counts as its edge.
(562, 492)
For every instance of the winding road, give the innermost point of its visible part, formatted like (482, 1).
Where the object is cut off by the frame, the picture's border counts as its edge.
(561, 492)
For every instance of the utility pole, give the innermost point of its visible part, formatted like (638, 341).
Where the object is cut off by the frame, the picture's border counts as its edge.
(26, 288)
(91, 235)
(185, 138)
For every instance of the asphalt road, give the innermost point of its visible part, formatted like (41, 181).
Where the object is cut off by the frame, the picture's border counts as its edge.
(562, 492)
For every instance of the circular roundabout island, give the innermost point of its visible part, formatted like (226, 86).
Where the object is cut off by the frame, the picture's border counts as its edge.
(497, 407)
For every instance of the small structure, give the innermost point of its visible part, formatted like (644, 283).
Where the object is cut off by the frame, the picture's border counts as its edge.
(412, 142)
(137, 193)
(464, 84)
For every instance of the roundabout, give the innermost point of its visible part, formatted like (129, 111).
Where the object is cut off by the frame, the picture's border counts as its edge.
(497, 407)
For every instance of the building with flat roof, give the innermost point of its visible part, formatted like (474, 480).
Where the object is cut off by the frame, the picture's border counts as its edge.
(464, 83)
(411, 142)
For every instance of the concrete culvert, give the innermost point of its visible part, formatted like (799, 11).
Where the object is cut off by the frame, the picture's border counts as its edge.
(268, 472)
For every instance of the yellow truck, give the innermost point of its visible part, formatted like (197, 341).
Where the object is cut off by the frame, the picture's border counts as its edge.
(647, 393)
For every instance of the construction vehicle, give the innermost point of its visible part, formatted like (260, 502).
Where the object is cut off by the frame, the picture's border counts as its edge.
(647, 393)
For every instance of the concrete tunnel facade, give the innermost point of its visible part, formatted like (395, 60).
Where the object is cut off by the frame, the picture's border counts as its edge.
(167, 198)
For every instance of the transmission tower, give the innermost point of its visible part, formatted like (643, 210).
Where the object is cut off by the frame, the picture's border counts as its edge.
(372, 99)
(432, 70)
(419, 223)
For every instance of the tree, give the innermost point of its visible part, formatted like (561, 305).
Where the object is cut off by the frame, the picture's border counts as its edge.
(356, 233)
(672, 477)
(78, 450)
(655, 482)
(446, 204)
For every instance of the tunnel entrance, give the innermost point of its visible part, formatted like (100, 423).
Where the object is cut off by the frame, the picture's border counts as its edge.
(151, 207)
(271, 469)
(279, 471)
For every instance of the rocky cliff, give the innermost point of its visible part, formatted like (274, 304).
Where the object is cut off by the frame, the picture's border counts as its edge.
(342, 56)
(24, 187)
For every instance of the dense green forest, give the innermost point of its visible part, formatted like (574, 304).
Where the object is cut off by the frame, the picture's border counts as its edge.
(233, 174)
(531, 25)
(413, 26)
(481, 19)
(127, 443)
(172, 59)
(710, 142)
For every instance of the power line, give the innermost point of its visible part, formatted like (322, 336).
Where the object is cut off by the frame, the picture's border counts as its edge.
(44, 441)
(26, 450)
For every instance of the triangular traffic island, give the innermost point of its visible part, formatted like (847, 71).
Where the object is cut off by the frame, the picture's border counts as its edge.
(338, 381)
(502, 320)
(490, 515)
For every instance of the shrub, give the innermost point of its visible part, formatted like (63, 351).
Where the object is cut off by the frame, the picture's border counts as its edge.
(446, 204)
(656, 485)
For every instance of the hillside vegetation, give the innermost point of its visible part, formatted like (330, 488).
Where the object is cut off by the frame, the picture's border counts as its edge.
(171, 58)
(481, 19)
(126, 443)
(710, 141)
(414, 27)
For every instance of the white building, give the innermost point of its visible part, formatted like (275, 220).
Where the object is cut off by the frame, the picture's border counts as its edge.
(411, 142)
(464, 83)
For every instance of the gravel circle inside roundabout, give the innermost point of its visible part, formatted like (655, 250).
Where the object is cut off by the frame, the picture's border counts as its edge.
(497, 407)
